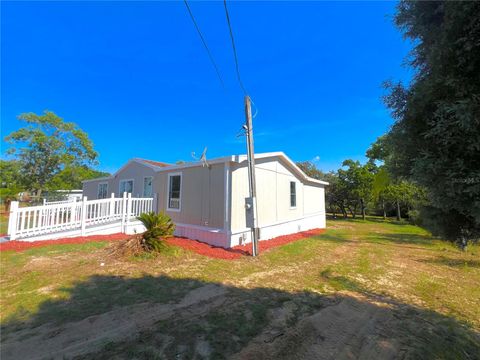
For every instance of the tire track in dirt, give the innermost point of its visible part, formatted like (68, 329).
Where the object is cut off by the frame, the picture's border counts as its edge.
(92, 333)
(351, 328)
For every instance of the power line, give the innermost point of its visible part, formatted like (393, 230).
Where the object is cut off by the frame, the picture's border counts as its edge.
(204, 44)
(234, 48)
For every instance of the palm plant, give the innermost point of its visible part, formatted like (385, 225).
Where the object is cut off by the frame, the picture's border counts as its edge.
(159, 226)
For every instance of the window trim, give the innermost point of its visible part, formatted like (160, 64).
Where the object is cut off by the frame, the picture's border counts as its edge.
(290, 197)
(98, 189)
(125, 180)
(143, 192)
(168, 192)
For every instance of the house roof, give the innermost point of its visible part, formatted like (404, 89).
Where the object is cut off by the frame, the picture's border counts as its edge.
(241, 158)
(161, 166)
(282, 155)
(154, 163)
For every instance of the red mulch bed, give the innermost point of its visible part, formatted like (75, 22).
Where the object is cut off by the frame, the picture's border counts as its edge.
(206, 249)
(280, 240)
(193, 245)
(237, 251)
(24, 245)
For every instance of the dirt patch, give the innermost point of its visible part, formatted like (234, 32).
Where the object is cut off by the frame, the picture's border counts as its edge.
(92, 333)
(41, 262)
(340, 226)
(343, 326)
(352, 328)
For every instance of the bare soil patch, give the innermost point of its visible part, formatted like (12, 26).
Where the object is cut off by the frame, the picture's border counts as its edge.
(92, 333)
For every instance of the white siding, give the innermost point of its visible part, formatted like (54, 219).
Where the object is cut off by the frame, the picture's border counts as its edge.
(133, 171)
(314, 199)
(273, 200)
(203, 195)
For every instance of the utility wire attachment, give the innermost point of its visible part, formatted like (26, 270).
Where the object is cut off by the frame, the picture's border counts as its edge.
(234, 48)
(204, 44)
(256, 109)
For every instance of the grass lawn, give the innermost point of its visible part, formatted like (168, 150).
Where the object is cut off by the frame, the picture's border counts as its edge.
(368, 289)
(3, 220)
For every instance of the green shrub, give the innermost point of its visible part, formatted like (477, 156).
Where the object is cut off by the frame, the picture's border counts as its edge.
(451, 225)
(158, 227)
(414, 217)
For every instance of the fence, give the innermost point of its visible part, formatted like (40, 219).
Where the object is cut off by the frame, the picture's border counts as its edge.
(75, 215)
(45, 202)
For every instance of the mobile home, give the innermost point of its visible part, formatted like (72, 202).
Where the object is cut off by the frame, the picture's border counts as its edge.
(207, 202)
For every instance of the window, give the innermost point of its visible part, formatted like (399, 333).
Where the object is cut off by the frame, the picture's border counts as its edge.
(147, 186)
(293, 194)
(126, 186)
(174, 192)
(102, 191)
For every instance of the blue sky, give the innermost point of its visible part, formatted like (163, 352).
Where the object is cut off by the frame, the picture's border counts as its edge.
(136, 77)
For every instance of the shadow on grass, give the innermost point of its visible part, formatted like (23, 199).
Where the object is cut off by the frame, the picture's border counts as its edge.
(403, 238)
(333, 238)
(163, 317)
(456, 263)
(374, 219)
(398, 237)
(386, 221)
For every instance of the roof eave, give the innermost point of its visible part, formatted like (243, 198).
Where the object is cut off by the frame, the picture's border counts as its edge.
(281, 154)
(195, 164)
(98, 179)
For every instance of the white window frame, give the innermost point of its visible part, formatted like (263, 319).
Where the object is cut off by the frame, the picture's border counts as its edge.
(98, 190)
(168, 192)
(120, 193)
(290, 194)
(143, 193)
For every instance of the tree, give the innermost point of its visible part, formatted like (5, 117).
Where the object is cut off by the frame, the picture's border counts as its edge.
(334, 194)
(11, 179)
(47, 146)
(357, 183)
(311, 170)
(381, 181)
(71, 177)
(379, 150)
(404, 194)
(435, 140)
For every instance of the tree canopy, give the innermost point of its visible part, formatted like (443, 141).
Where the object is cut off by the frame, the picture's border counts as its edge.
(435, 140)
(310, 169)
(50, 153)
(11, 183)
(71, 177)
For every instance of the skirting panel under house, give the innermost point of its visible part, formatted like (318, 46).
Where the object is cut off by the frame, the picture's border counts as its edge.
(212, 236)
(309, 222)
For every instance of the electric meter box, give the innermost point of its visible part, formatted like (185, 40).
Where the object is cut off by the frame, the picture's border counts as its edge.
(249, 212)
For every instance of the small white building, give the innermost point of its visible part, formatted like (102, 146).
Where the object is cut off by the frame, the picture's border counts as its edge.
(207, 203)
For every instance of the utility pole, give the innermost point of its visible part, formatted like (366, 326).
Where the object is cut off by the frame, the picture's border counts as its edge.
(251, 202)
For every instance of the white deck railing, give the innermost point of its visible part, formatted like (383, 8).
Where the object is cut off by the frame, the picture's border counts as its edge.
(75, 215)
(45, 202)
